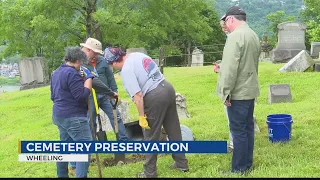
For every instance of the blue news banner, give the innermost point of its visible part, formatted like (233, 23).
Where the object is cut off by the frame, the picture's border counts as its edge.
(88, 147)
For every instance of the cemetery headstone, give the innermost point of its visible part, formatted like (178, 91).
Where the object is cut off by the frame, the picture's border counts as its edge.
(299, 63)
(315, 49)
(142, 50)
(279, 93)
(197, 57)
(182, 106)
(124, 114)
(316, 67)
(291, 41)
(33, 73)
(266, 48)
(156, 61)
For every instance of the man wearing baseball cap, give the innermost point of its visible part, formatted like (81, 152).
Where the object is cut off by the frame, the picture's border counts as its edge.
(238, 85)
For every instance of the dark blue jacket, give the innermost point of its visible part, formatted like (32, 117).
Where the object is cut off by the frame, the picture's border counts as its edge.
(105, 73)
(68, 93)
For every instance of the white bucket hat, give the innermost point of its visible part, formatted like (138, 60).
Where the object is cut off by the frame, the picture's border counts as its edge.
(94, 45)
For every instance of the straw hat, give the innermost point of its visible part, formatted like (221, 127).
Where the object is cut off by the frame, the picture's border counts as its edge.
(94, 45)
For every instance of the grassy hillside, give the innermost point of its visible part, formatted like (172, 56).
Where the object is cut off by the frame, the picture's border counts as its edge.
(26, 115)
(9, 81)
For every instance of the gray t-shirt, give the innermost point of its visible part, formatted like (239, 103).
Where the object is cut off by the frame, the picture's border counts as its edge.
(140, 73)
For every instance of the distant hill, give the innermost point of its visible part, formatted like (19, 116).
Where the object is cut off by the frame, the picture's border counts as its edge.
(257, 10)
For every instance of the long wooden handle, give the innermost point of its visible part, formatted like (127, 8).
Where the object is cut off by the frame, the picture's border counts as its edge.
(116, 129)
(94, 138)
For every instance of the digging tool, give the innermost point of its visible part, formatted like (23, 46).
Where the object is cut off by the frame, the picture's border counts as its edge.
(117, 157)
(102, 136)
(94, 138)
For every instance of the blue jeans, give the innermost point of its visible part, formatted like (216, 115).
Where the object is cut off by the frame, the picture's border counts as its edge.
(73, 129)
(241, 125)
(104, 103)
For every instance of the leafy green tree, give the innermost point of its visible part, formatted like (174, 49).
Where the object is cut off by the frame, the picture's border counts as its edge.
(275, 19)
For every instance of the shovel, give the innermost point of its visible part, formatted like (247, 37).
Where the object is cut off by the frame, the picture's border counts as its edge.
(102, 136)
(93, 137)
(117, 157)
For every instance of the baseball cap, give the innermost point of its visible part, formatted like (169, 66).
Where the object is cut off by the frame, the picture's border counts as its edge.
(234, 10)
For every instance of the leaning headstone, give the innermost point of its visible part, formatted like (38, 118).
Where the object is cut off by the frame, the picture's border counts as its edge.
(33, 73)
(291, 41)
(142, 50)
(279, 93)
(123, 107)
(197, 57)
(316, 67)
(299, 63)
(315, 49)
(181, 106)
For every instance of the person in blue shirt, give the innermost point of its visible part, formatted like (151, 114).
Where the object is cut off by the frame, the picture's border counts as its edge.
(155, 99)
(70, 93)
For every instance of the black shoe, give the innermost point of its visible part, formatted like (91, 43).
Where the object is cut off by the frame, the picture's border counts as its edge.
(174, 166)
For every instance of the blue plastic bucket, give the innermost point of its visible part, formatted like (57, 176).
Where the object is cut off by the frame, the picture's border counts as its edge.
(279, 126)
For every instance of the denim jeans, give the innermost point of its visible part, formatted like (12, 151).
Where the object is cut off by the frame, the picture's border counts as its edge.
(241, 125)
(73, 129)
(105, 105)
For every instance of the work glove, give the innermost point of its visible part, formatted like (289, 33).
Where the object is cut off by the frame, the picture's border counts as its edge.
(86, 72)
(143, 122)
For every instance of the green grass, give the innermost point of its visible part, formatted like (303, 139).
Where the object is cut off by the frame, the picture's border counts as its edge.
(9, 81)
(26, 115)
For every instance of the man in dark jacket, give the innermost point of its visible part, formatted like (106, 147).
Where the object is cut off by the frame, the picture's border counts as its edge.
(93, 50)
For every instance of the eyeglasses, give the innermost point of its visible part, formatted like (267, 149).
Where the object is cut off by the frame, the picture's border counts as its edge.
(227, 19)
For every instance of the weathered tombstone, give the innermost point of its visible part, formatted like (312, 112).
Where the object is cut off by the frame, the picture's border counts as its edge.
(124, 113)
(197, 57)
(182, 106)
(299, 63)
(142, 50)
(316, 67)
(279, 93)
(266, 48)
(315, 49)
(33, 73)
(291, 41)
(156, 61)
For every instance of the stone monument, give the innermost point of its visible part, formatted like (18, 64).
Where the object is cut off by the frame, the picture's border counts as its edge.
(316, 67)
(123, 107)
(279, 93)
(266, 48)
(299, 63)
(142, 50)
(33, 73)
(182, 106)
(291, 41)
(197, 57)
(315, 49)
